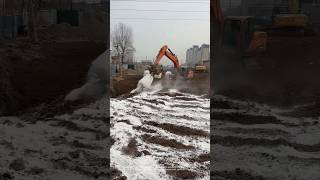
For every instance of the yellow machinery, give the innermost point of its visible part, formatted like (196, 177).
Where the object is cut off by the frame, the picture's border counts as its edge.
(292, 17)
(201, 68)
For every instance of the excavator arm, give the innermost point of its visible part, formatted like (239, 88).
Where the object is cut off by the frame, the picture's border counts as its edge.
(216, 12)
(216, 21)
(165, 51)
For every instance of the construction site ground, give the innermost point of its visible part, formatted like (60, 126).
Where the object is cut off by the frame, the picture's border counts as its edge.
(256, 141)
(160, 135)
(200, 84)
(277, 138)
(42, 136)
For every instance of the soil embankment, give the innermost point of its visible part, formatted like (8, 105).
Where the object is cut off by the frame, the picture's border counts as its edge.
(45, 71)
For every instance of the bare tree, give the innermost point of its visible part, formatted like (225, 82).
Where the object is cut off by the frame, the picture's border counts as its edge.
(122, 40)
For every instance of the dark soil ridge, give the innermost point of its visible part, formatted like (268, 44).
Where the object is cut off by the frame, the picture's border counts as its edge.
(165, 142)
(179, 130)
(132, 148)
(116, 174)
(262, 131)
(236, 174)
(247, 119)
(75, 127)
(239, 141)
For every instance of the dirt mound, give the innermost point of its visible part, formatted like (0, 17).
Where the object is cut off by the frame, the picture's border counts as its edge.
(116, 174)
(180, 130)
(201, 158)
(182, 174)
(35, 73)
(61, 31)
(235, 174)
(165, 142)
(124, 86)
(132, 149)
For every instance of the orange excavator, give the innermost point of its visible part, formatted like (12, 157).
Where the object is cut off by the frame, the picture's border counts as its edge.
(156, 69)
(235, 43)
(165, 51)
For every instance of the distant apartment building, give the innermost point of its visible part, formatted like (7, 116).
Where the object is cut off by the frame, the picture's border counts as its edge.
(198, 55)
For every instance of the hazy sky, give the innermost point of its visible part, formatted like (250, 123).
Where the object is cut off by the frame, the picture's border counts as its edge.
(169, 28)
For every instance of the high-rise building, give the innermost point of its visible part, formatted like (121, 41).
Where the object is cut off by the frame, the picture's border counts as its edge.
(197, 55)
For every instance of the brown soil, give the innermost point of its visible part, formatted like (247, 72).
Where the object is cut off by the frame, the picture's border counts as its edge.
(235, 174)
(182, 174)
(139, 128)
(121, 88)
(239, 141)
(59, 32)
(48, 70)
(243, 118)
(186, 98)
(289, 74)
(116, 174)
(125, 121)
(201, 158)
(124, 86)
(165, 142)
(179, 130)
(154, 101)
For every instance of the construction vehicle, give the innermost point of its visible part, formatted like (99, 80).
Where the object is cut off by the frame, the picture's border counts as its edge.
(235, 43)
(200, 68)
(290, 20)
(156, 69)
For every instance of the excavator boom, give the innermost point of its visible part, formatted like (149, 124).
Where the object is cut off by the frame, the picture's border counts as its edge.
(165, 51)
